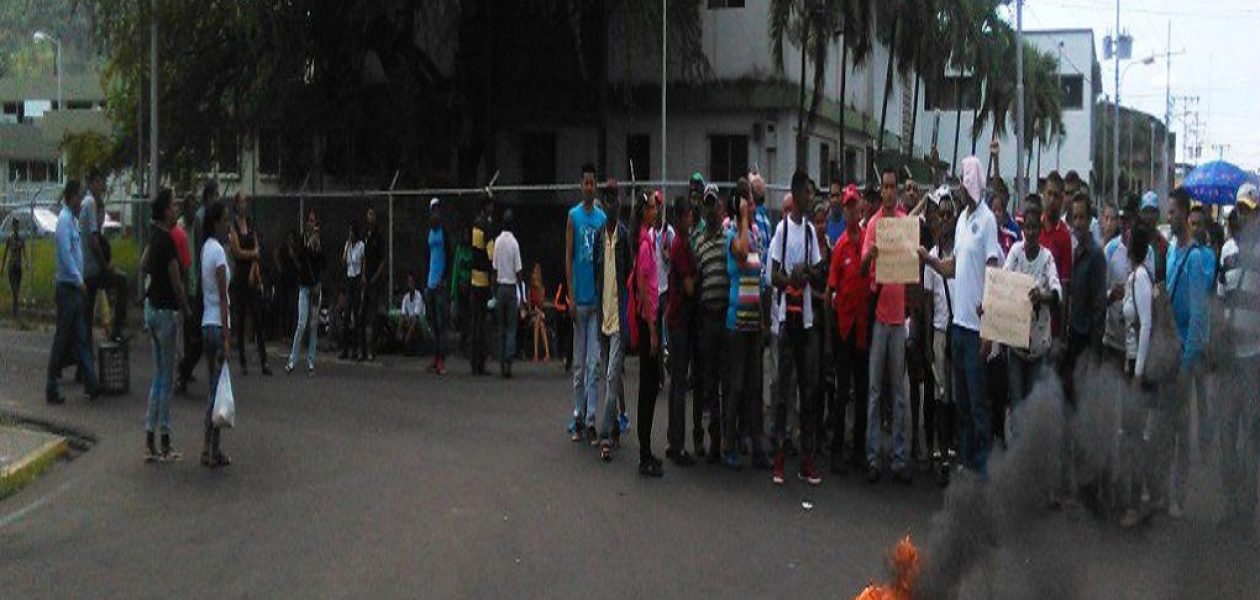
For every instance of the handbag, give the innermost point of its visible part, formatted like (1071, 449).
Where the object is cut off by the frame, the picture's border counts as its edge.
(1163, 359)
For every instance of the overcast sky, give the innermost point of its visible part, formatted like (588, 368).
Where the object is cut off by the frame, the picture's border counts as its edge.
(1221, 64)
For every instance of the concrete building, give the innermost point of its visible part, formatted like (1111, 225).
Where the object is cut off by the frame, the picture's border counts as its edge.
(33, 125)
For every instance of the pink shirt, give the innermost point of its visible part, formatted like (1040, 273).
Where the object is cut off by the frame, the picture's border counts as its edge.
(646, 278)
(891, 309)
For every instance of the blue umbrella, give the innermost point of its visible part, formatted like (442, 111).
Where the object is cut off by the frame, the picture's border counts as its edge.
(1216, 182)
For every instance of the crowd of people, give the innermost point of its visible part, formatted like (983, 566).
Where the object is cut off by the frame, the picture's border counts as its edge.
(715, 299)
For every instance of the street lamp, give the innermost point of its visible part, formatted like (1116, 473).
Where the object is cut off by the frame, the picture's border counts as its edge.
(40, 36)
(44, 37)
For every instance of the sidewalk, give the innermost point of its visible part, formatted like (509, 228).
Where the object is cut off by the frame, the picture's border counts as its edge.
(24, 454)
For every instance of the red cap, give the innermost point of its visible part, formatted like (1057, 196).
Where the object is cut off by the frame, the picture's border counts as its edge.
(851, 195)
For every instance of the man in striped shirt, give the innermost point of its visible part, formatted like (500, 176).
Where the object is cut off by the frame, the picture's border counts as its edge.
(710, 252)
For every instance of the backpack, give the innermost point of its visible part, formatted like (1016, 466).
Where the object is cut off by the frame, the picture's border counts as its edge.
(794, 298)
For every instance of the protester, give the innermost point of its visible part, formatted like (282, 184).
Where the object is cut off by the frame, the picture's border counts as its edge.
(584, 222)
(1116, 254)
(247, 292)
(1240, 423)
(16, 257)
(711, 319)
(941, 430)
(412, 311)
(888, 343)
(190, 223)
(537, 314)
(918, 346)
(1008, 230)
(507, 273)
(216, 277)
(164, 301)
(741, 401)
(1137, 298)
(1109, 225)
(307, 262)
(1087, 292)
(1057, 238)
(374, 278)
(1149, 216)
(835, 212)
(352, 258)
(1189, 279)
(1029, 258)
(662, 242)
(648, 340)
(612, 261)
(479, 292)
(849, 288)
(825, 330)
(439, 244)
(679, 310)
(975, 248)
(795, 264)
(98, 271)
(70, 333)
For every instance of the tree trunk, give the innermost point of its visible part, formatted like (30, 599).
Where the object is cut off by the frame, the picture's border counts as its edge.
(844, 84)
(914, 112)
(975, 116)
(958, 108)
(888, 80)
(802, 141)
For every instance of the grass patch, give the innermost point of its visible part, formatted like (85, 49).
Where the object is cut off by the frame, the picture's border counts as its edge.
(39, 284)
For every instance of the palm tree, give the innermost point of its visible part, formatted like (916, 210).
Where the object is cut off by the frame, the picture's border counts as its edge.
(999, 84)
(1043, 99)
(811, 26)
(930, 54)
(856, 31)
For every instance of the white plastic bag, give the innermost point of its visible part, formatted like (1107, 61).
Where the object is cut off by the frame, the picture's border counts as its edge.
(224, 414)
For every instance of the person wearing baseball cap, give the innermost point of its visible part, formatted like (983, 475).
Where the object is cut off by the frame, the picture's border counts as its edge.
(1238, 465)
(849, 290)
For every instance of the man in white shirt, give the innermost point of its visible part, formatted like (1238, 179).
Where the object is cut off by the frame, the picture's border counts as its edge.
(975, 248)
(412, 309)
(795, 263)
(507, 269)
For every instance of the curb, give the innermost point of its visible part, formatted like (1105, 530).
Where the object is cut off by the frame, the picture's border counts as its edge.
(17, 475)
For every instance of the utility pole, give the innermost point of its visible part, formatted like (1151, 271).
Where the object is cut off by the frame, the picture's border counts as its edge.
(664, 84)
(1021, 188)
(1166, 167)
(153, 101)
(1115, 124)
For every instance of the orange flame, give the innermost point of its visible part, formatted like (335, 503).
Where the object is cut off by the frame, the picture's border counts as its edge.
(905, 567)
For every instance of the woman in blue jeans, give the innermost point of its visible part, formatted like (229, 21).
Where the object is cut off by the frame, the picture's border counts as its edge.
(215, 323)
(308, 264)
(164, 301)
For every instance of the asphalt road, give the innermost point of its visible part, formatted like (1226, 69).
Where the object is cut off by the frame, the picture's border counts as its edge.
(382, 480)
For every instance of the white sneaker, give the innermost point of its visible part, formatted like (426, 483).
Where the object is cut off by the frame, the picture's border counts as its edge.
(1175, 510)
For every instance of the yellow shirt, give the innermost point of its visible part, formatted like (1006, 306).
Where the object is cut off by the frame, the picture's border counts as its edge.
(611, 310)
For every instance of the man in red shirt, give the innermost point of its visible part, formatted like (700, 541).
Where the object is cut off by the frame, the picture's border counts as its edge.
(888, 343)
(850, 289)
(1056, 238)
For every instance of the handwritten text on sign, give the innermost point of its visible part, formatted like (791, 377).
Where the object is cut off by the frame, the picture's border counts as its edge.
(898, 241)
(1008, 312)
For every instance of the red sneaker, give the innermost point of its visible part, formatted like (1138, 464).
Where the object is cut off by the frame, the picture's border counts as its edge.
(808, 473)
(778, 468)
(441, 367)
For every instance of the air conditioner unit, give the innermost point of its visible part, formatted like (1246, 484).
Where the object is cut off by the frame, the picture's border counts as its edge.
(771, 137)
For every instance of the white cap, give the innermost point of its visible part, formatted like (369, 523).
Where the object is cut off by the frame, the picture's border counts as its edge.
(1247, 196)
(433, 203)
